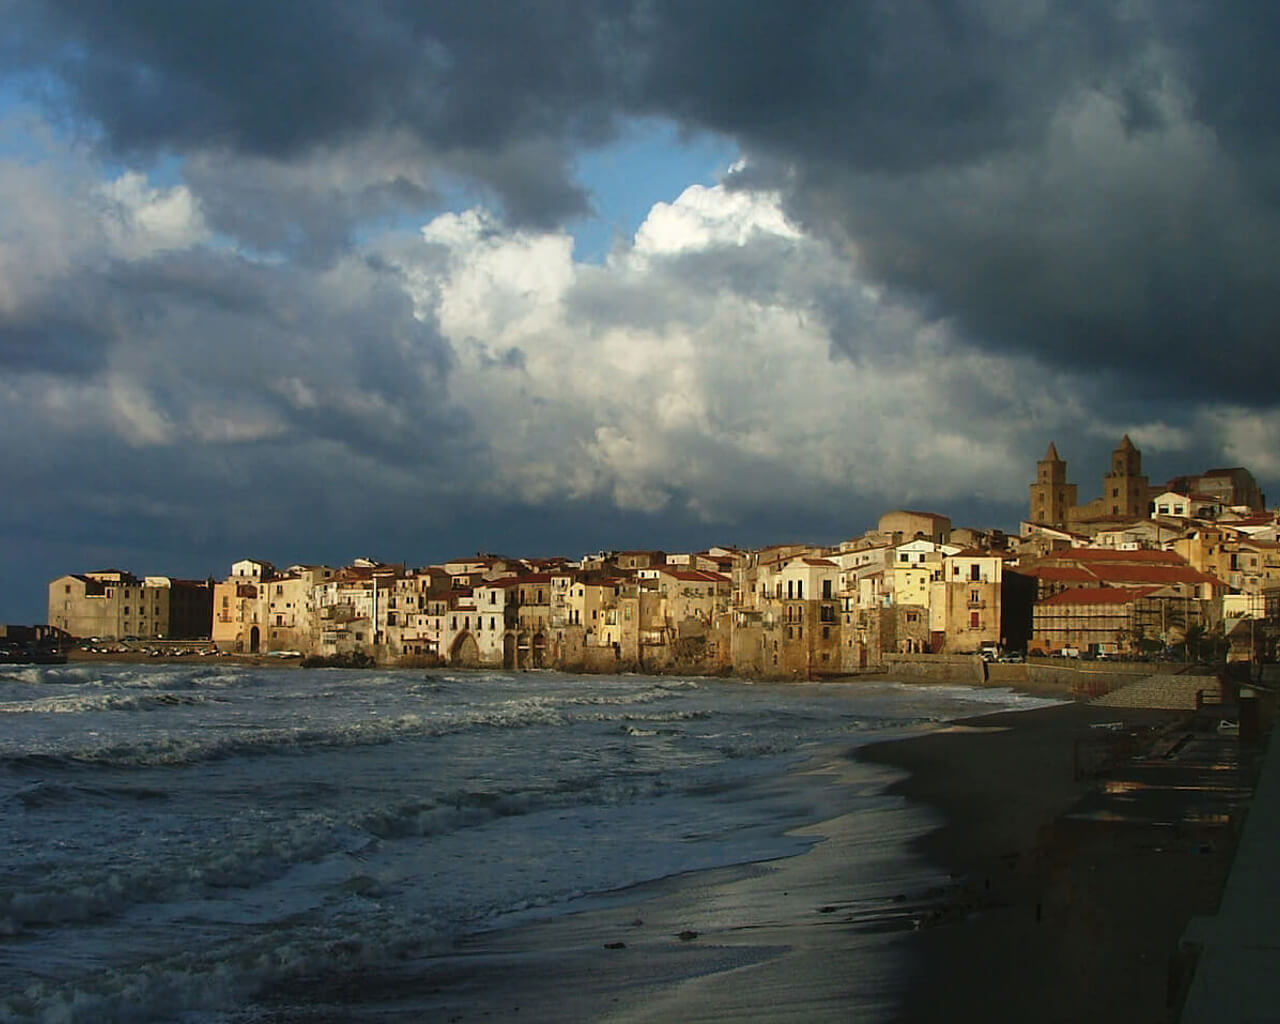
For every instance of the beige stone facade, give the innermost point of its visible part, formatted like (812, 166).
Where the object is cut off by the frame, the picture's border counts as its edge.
(114, 605)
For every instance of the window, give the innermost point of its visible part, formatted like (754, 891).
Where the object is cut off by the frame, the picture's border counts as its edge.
(826, 590)
(826, 634)
(790, 589)
(493, 623)
(799, 590)
(975, 620)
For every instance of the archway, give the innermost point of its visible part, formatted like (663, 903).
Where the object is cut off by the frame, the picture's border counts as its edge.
(464, 651)
(255, 638)
(539, 651)
(508, 650)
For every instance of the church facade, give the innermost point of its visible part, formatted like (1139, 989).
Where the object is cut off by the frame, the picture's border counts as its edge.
(1127, 494)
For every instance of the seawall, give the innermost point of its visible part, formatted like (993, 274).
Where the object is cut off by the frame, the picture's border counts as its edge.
(1116, 683)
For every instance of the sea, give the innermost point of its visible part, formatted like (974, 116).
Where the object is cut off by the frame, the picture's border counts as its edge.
(192, 841)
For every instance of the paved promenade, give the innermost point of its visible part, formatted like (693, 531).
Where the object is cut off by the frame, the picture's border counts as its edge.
(1240, 946)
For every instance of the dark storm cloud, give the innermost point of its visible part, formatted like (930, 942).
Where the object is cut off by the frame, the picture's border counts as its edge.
(53, 341)
(1090, 183)
(1087, 181)
(277, 80)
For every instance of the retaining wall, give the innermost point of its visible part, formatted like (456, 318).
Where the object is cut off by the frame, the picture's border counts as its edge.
(936, 668)
(1163, 691)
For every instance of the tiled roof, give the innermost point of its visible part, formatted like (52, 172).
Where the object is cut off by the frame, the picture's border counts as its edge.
(1095, 596)
(1060, 573)
(1144, 556)
(697, 575)
(1131, 575)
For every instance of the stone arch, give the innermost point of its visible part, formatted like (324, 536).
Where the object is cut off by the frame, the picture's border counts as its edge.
(508, 650)
(464, 650)
(255, 640)
(538, 651)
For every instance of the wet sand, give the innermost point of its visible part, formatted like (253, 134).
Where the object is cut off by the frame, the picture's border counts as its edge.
(1077, 890)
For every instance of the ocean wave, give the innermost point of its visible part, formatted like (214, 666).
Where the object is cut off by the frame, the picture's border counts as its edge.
(192, 871)
(50, 794)
(181, 748)
(80, 703)
(466, 809)
(257, 974)
(649, 696)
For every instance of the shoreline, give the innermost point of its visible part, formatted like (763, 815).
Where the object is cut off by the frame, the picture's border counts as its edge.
(1031, 914)
(1075, 902)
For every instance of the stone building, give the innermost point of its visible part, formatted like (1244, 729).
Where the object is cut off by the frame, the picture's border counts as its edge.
(907, 524)
(1127, 494)
(1051, 495)
(113, 604)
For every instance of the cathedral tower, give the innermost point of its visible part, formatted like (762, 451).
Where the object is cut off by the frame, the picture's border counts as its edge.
(1051, 495)
(1125, 491)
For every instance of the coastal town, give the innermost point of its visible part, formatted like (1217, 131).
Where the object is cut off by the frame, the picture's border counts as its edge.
(1143, 571)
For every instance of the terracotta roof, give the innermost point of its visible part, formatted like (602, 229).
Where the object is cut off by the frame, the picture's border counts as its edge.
(819, 561)
(1146, 556)
(1096, 595)
(1060, 573)
(1131, 575)
(697, 575)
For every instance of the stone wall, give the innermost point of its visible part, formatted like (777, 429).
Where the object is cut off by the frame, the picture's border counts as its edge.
(936, 668)
(1162, 692)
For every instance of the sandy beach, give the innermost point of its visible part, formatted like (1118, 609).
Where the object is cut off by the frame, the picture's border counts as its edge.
(1009, 909)
(1070, 916)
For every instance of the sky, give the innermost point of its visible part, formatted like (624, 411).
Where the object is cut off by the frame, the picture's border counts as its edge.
(308, 280)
